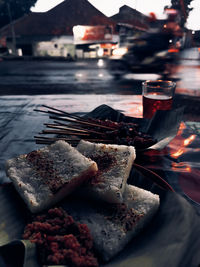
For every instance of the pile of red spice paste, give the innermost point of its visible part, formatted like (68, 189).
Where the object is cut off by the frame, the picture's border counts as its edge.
(60, 240)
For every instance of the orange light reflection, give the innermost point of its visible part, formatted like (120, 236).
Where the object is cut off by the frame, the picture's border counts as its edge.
(181, 167)
(188, 169)
(182, 144)
(189, 140)
(178, 153)
(181, 128)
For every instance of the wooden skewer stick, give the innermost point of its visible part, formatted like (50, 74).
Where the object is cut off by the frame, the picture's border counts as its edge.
(82, 122)
(78, 119)
(41, 137)
(74, 119)
(60, 114)
(64, 132)
(43, 142)
(74, 128)
(56, 138)
(65, 113)
(55, 126)
(48, 112)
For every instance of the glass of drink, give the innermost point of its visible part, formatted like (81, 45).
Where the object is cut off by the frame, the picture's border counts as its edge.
(157, 95)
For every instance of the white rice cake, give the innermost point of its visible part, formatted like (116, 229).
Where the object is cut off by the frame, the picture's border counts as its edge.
(112, 226)
(45, 176)
(114, 165)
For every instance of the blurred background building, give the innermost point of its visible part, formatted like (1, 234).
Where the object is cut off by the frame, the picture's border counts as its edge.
(72, 29)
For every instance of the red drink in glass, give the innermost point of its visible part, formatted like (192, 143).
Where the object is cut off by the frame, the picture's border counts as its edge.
(153, 102)
(157, 95)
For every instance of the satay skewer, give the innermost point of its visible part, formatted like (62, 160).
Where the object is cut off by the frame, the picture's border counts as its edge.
(75, 129)
(72, 117)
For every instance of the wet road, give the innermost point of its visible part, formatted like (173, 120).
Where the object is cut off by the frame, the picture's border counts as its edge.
(92, 77)
(41, 77)
(89, 76)
(86, 76)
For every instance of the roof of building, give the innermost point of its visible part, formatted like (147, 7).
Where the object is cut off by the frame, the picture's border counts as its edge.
(131, 16)
(59, 20)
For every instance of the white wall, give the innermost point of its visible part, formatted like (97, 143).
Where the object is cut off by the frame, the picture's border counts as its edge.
(57, 47)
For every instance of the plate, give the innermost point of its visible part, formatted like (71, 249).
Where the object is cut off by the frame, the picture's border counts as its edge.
(163, 242)
(154, 246)
(154, 177)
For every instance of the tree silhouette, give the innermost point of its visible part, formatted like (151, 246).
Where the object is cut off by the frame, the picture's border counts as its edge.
(14, 9)
(184, 7)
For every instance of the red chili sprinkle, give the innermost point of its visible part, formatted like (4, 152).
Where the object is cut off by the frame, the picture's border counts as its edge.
(61, 240)
(45, 170)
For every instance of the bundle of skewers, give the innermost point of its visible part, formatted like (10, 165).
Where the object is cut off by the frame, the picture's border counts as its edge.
(72, 128)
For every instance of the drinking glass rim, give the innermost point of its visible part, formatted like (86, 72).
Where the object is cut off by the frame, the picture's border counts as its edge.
(168, 82)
